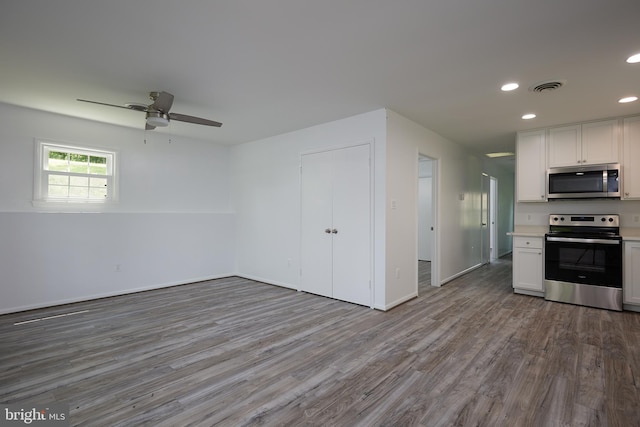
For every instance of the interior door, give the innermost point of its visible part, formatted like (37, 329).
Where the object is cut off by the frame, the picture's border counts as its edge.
(316, 199)
(352, 225)
(493, 219)
(425, 221)
(484, 219)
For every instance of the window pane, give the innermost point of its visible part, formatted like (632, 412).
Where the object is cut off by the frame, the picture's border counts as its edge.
(80, 158)
(78, 167)
(98, 182)
(58, 191)
(81, 181)
(58, 161)
(78, 192)
(58, 180)
(97, 169)
(97, 193)
(98, 165)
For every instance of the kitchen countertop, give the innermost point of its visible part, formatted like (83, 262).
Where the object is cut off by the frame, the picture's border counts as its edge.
(529, 230)
(627, 233)
(630, 233)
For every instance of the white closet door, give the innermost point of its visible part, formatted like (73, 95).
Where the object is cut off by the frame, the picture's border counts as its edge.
(352, 221)
(316, 210)
(336, 197)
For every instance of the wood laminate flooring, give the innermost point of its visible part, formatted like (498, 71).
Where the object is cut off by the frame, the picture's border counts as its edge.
(236, 352)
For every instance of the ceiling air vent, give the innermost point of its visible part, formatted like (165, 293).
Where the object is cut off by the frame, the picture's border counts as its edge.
(547, 86)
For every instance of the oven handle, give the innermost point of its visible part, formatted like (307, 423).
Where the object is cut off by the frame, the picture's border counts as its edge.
(579, 240)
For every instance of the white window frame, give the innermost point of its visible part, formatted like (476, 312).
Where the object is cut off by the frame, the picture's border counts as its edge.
(41, 178)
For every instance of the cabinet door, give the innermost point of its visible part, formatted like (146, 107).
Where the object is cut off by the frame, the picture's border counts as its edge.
(316, 182)
(631, 273)
(600, 142)
(527, 269)
(352, 223)
(631, 158)
(531, 166)
(564, 146)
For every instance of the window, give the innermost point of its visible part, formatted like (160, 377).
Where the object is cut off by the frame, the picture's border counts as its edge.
(72, 174)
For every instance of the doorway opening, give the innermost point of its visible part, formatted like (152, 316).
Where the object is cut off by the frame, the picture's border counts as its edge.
(488, 218)
(493, 218)
(427, 222)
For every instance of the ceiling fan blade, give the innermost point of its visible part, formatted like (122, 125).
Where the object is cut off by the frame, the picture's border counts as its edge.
(103, 103)
(195, 120)
(162, 101)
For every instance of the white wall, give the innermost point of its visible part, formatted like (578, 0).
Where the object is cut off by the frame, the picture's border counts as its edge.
(266, 189)
(266, 185)
(402, 210)
(192, 210)
(458, 176)
(173, 223)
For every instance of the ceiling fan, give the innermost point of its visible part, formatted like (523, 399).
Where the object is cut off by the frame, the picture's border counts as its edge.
(157, 113)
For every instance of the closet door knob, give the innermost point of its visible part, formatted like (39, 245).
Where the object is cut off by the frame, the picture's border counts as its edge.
(334, 231)
(327, 230)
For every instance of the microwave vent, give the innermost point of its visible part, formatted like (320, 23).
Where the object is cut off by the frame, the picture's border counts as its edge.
(547, 86)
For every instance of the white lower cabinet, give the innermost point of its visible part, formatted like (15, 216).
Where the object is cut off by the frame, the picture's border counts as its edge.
(631, 283)
(528, 272)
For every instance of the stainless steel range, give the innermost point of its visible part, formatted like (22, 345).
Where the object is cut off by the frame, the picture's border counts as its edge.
(583, 260)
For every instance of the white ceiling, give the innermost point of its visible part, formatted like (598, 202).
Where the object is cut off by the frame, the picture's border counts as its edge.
(268, 67)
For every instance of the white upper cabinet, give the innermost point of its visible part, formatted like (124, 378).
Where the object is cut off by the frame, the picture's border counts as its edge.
(531, 166)
(564, 146)
(631, 158)
(586, 144)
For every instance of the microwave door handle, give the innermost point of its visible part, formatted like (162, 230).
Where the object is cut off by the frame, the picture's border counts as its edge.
(605, 186)
(580, 240)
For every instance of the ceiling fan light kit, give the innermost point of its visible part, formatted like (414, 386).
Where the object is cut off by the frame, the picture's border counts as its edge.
(157, 113)
(157, 119)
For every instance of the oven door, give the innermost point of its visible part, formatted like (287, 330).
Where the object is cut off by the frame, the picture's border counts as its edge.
(586, 261)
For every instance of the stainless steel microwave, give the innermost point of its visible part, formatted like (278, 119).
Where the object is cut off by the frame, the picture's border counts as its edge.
(584, 182)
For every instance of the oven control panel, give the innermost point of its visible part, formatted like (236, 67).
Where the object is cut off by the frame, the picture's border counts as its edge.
(585, 220)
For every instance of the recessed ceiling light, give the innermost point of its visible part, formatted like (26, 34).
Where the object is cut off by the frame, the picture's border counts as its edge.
(634, 59)
(529, 116)
(510, 86)
(628, 99)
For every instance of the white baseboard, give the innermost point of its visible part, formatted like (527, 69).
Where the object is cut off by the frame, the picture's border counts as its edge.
(462, 273)
(64, 301)
(396, 302)
(267, 281)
